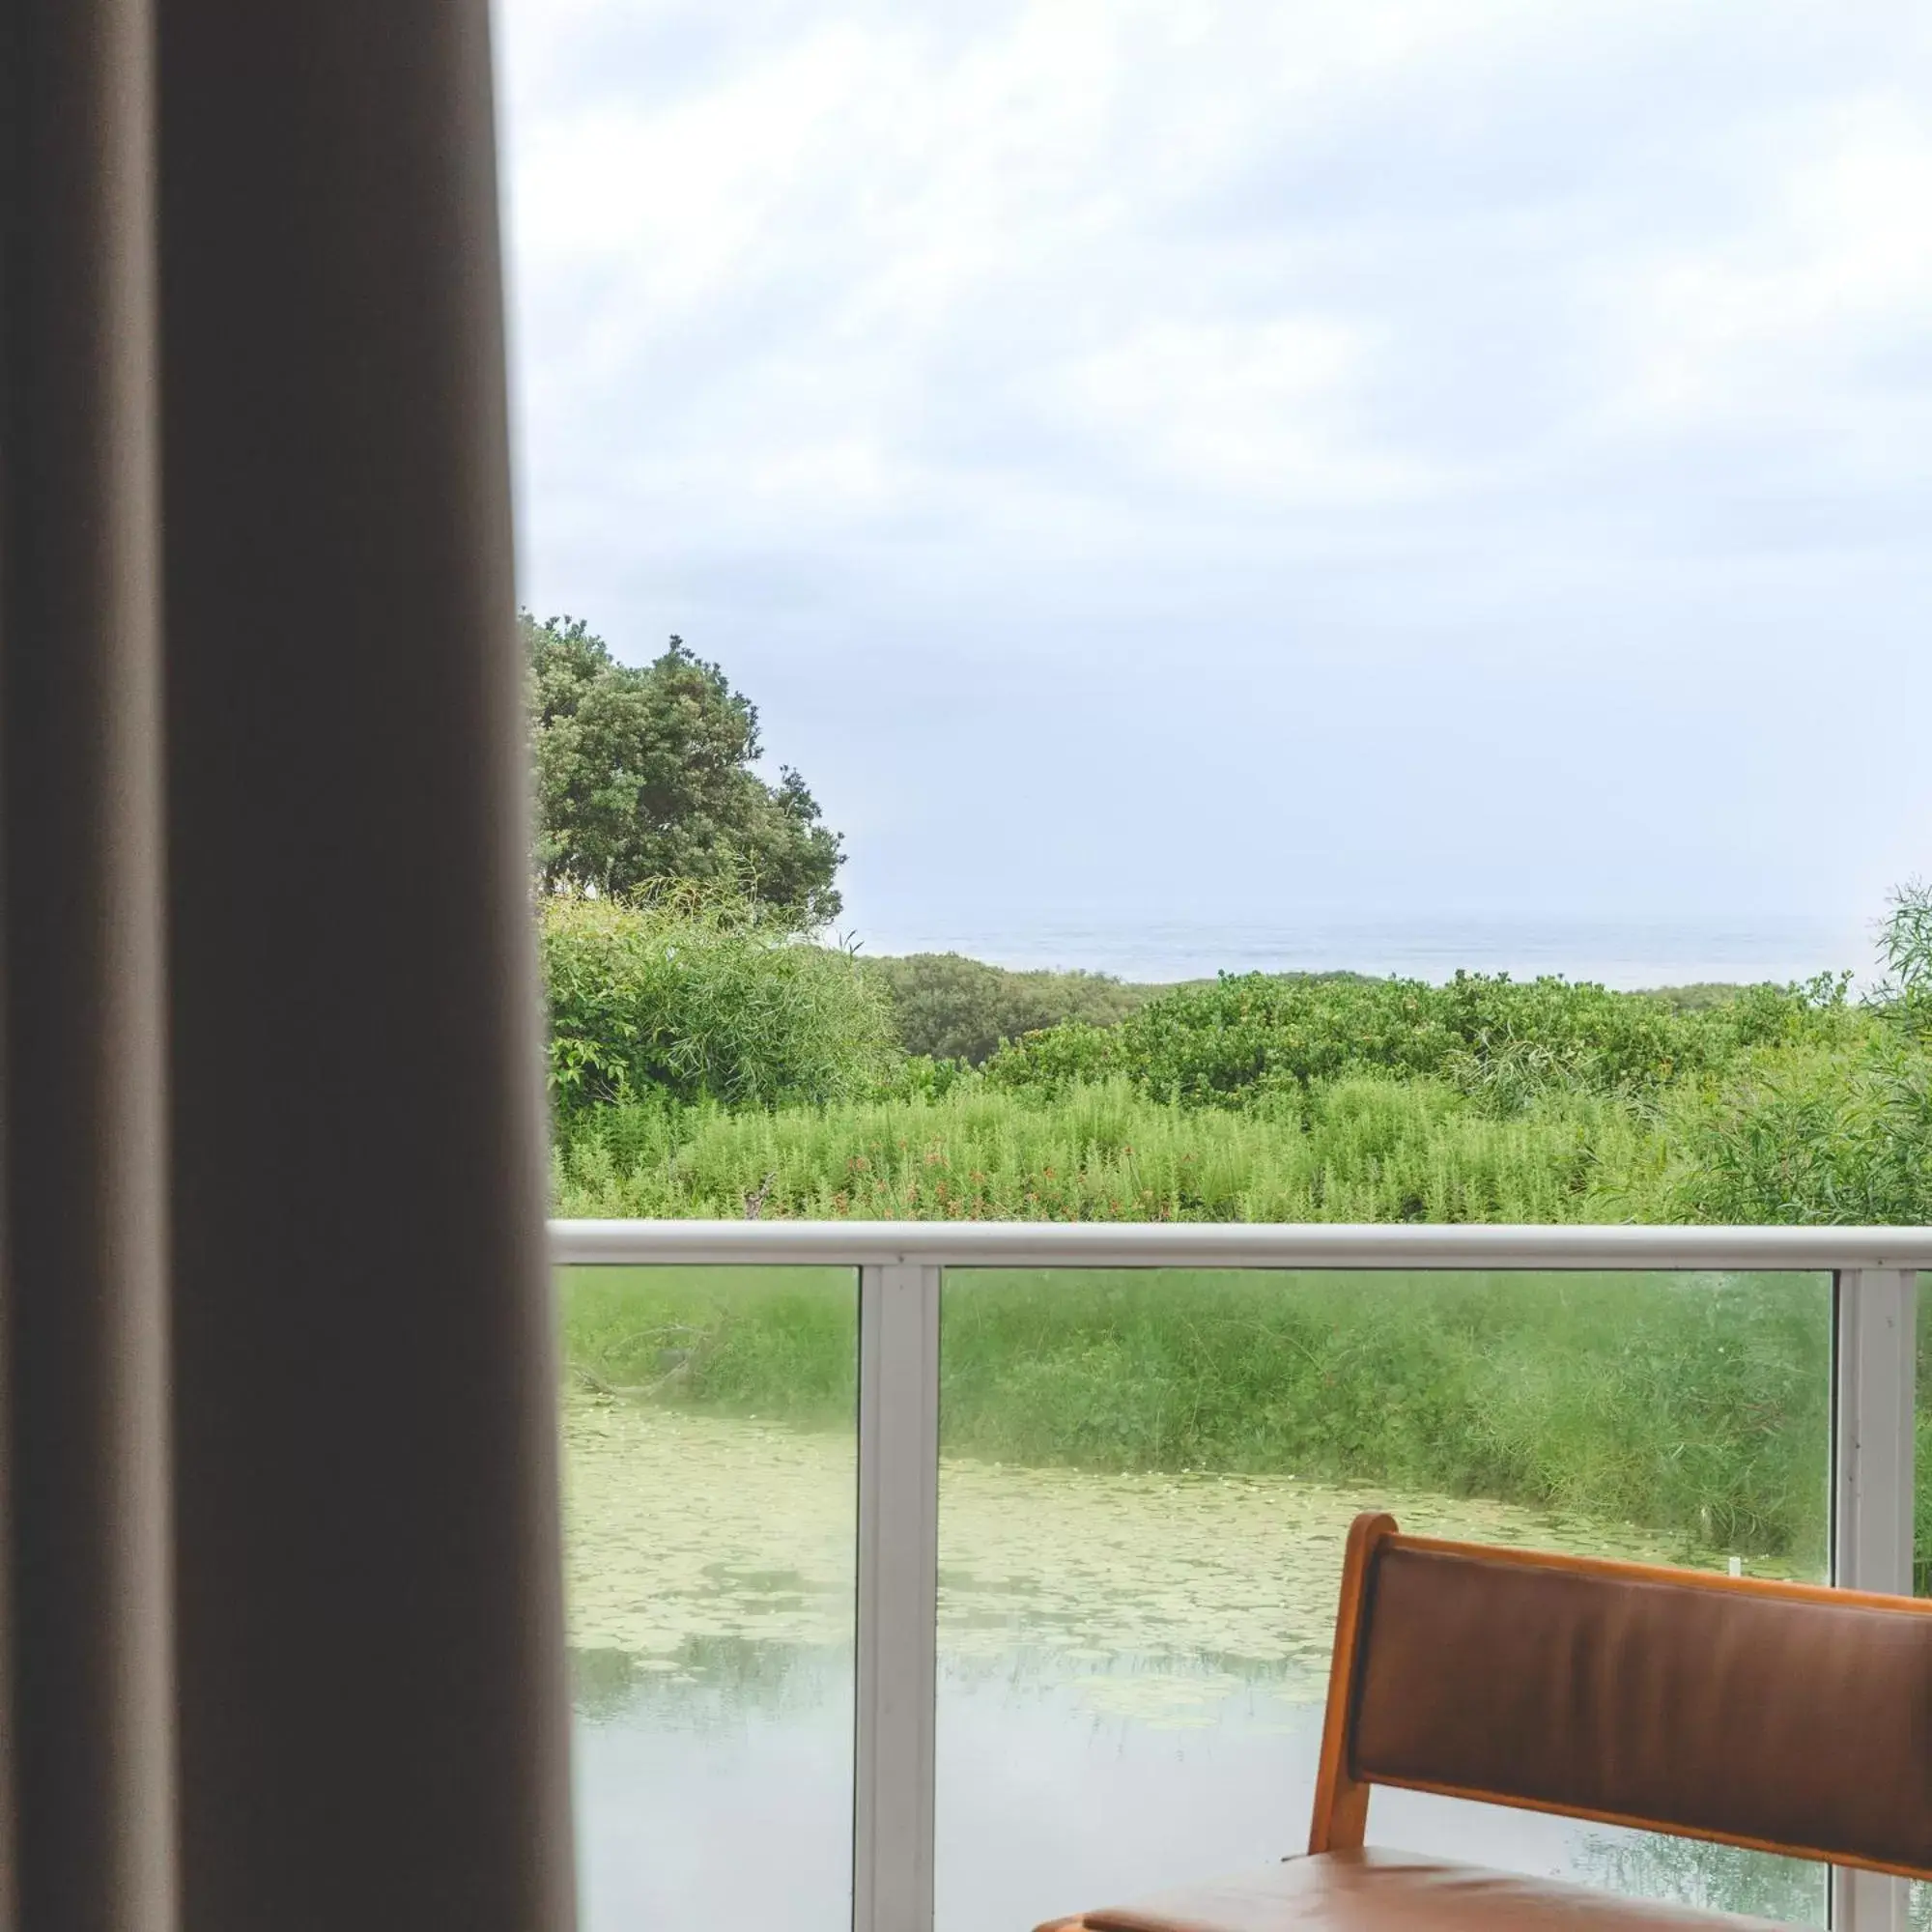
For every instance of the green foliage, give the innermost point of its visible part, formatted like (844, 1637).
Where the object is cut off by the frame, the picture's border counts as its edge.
(680, 998)
(1698, 997)
(1060, 1058)
(1823, 1117)
(1339, 1098)
(1362, 1149)
(644, 775)
(1693, 1405)
(947, 1006)
(1905, 945)
(1696, 1408)
(1808, 1134)
(737, 1338)
(1242, 1039)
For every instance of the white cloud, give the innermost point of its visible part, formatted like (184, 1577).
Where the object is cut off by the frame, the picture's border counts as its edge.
(1780, 324)
(1260, 409)
(877, 344)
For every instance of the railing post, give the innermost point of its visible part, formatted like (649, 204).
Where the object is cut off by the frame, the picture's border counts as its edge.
(1873, 1396)
(898, 1598)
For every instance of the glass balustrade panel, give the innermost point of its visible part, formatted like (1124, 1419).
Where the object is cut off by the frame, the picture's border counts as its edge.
(1147, 1478)
(710, 1476)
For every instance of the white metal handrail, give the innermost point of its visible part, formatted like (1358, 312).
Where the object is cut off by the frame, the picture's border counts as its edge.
(1187, 1244)
(900, 1266)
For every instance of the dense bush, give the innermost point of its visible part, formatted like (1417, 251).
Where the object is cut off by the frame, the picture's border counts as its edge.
(1244, 1038)
(677, 999)
(945, 1007)
(678, 1025)
(1829, 1122)
(1808, 1135)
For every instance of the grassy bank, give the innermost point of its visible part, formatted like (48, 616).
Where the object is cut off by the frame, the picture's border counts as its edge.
(704, 1066)
(705, 1063)
(1362, 1149)
(1695, 1405)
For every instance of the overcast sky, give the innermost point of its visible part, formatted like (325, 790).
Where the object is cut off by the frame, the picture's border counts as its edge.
(1257, 461)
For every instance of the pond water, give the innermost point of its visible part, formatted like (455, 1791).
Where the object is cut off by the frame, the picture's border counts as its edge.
(1132, 1672)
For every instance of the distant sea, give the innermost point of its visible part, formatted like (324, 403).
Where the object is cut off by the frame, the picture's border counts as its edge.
(1622, 953)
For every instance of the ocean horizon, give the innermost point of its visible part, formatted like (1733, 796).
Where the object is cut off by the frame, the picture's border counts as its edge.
(1624, 952)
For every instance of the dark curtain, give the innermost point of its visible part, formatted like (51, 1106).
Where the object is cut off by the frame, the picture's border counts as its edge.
(283, 1633)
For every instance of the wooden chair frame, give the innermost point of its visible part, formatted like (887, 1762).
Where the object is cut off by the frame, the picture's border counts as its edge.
(1341, 1815)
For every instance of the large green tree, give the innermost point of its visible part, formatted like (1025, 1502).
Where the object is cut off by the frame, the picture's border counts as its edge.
(645, 774)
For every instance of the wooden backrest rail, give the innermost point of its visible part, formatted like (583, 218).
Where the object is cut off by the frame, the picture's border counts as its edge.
(1782, 1716)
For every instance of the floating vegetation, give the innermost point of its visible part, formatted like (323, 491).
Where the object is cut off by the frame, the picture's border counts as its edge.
(694, 1536)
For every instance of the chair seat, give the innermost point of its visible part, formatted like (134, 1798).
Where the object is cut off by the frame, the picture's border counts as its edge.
(1379, 1890)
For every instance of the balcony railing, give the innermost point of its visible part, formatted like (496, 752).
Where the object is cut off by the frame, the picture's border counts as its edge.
(901, 1265)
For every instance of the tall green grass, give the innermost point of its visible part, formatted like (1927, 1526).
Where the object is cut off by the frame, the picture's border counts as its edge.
(1363, 1150)
(1693, 1405)
(780, 1341)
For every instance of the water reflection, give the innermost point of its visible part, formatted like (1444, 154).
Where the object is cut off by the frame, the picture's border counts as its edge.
(716, 1793)
(1070, 1779)
(1129, 1694)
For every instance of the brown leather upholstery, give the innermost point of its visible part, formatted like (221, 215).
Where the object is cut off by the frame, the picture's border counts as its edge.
(1799, 1722)
(1785, 1717)
(1374, 1890)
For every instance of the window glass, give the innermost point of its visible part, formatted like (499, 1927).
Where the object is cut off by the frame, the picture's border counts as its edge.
(710, 1473)
(1146, 1480)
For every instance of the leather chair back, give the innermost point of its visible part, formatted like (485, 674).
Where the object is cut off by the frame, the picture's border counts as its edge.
(1785, 1717)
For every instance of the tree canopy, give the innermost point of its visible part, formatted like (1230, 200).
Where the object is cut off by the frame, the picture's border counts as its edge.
(645, 774)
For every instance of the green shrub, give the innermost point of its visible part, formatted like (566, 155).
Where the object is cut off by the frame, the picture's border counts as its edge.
(1808, 1134)
(1247, 1038)
(945, 1007)
(677, 999)
(1057, 1058)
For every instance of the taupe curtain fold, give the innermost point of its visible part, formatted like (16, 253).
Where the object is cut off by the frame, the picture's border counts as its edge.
(81, 855)
(282, 1590)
